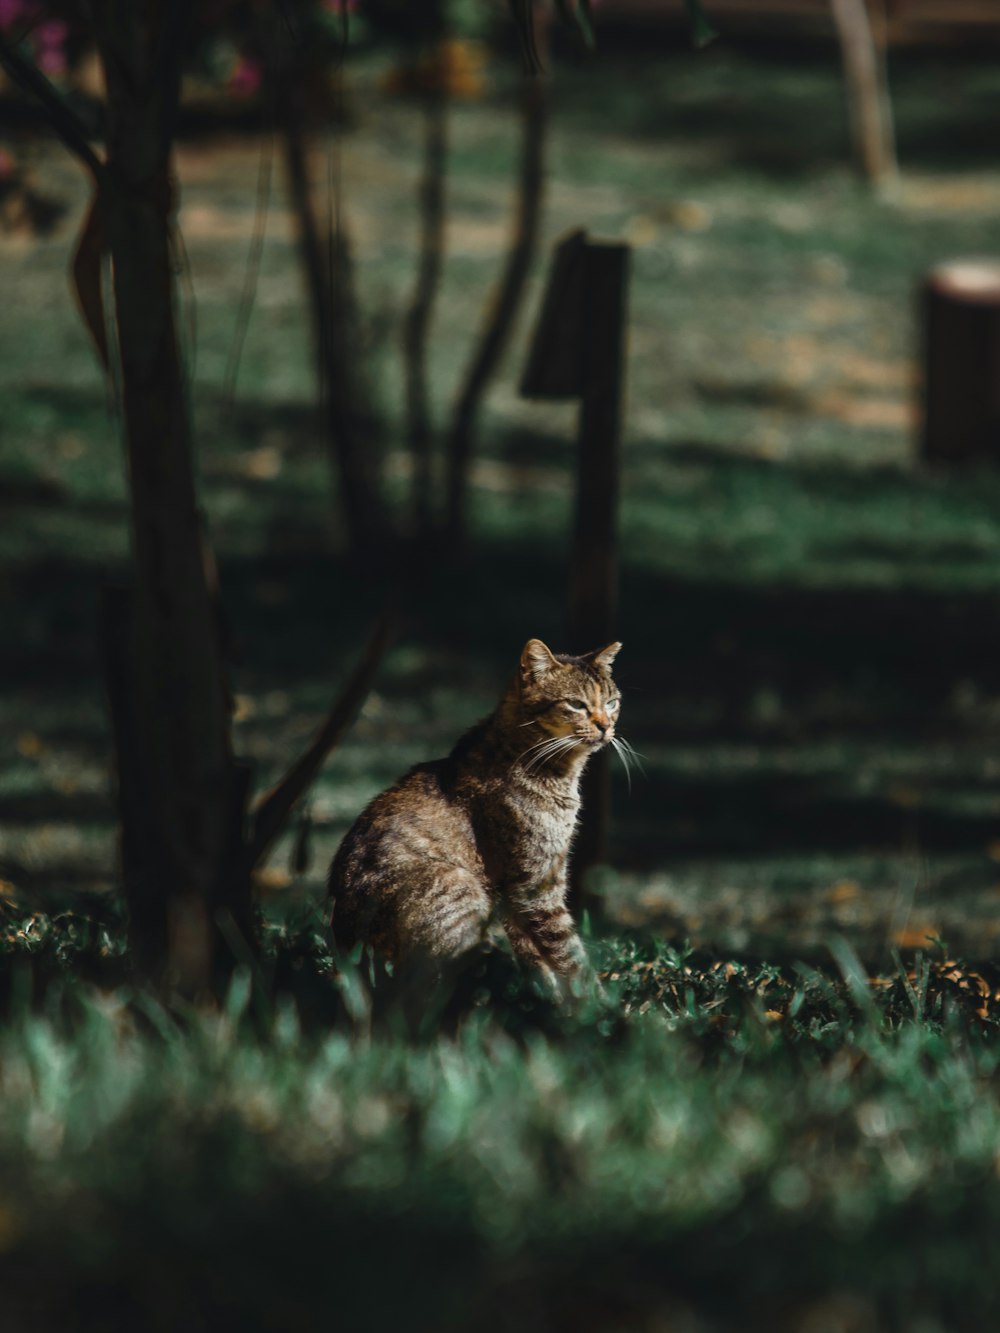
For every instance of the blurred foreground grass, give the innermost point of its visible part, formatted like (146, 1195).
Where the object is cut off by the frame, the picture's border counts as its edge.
(708, 1146)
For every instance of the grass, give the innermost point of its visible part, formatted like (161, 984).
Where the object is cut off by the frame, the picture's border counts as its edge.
(748, 1134)
(709, 1145)
(807, 613)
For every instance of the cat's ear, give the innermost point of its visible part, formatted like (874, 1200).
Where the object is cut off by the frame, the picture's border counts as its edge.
(605, 656)
(536, 660)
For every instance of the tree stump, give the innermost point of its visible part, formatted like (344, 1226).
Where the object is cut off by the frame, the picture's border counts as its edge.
(961, 352)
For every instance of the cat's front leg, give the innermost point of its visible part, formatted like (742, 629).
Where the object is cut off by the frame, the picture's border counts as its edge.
(528, 955)
(543, 933)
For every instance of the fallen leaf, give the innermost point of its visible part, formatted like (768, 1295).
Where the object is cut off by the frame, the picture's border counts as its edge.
(269, 879)
(30, 746)
(903, 795)
(844, 891)
(915, 936)
(243, 707)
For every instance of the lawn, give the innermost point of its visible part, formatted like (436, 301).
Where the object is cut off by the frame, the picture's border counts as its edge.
(750, 1134)
(708, 1145)
(807, 613)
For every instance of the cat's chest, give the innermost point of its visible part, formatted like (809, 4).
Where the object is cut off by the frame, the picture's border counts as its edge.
(524, 827)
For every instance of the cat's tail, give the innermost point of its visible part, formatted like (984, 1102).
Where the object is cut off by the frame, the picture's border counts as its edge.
(341, 926)
(344, 936)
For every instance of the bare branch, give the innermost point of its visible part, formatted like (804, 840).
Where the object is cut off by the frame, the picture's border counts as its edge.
(503, 308)
(525, 20)
(418, 320)
(66, 124)
(274, 809)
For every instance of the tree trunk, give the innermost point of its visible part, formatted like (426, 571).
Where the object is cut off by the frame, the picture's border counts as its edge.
(187, 853)
(861, 32)
(181, 806)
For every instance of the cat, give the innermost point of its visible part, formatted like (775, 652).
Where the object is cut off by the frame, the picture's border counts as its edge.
(482, 838)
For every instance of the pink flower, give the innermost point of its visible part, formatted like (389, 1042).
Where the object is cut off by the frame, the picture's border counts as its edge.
(50, 46)
(11, 11)
(246, 77)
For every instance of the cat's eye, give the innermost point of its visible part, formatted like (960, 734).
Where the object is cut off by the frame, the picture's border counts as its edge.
(577, 704)
(613, 705)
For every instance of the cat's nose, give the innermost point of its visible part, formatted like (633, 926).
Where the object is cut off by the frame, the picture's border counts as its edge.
(603, 725)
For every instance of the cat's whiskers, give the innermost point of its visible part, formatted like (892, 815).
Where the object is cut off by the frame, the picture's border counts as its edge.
(546, 749)
(546, 740)
(635, 755)
(552, 746)
(628, 757)
(622, 754)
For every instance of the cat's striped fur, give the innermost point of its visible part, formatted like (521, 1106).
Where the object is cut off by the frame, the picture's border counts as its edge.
(482, 838)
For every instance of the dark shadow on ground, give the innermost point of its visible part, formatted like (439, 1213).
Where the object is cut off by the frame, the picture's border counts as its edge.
(759, 813)
(697, 656)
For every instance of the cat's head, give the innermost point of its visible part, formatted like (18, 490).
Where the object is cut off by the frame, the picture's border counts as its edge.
(572, 699)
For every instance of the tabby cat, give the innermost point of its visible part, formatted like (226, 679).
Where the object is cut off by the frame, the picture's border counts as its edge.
(482, 838)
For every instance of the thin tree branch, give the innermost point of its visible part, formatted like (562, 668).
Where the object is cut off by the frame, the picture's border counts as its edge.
(503, 308)
(274, 810)
(66, 124)
(418, 319)
(525, 20)
(332, 300)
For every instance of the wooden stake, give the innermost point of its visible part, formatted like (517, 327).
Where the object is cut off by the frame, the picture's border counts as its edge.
(577, 352)
(593, 588)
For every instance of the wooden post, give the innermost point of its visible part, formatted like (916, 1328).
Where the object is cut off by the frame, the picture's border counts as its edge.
(961, 350)
(578, 352)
